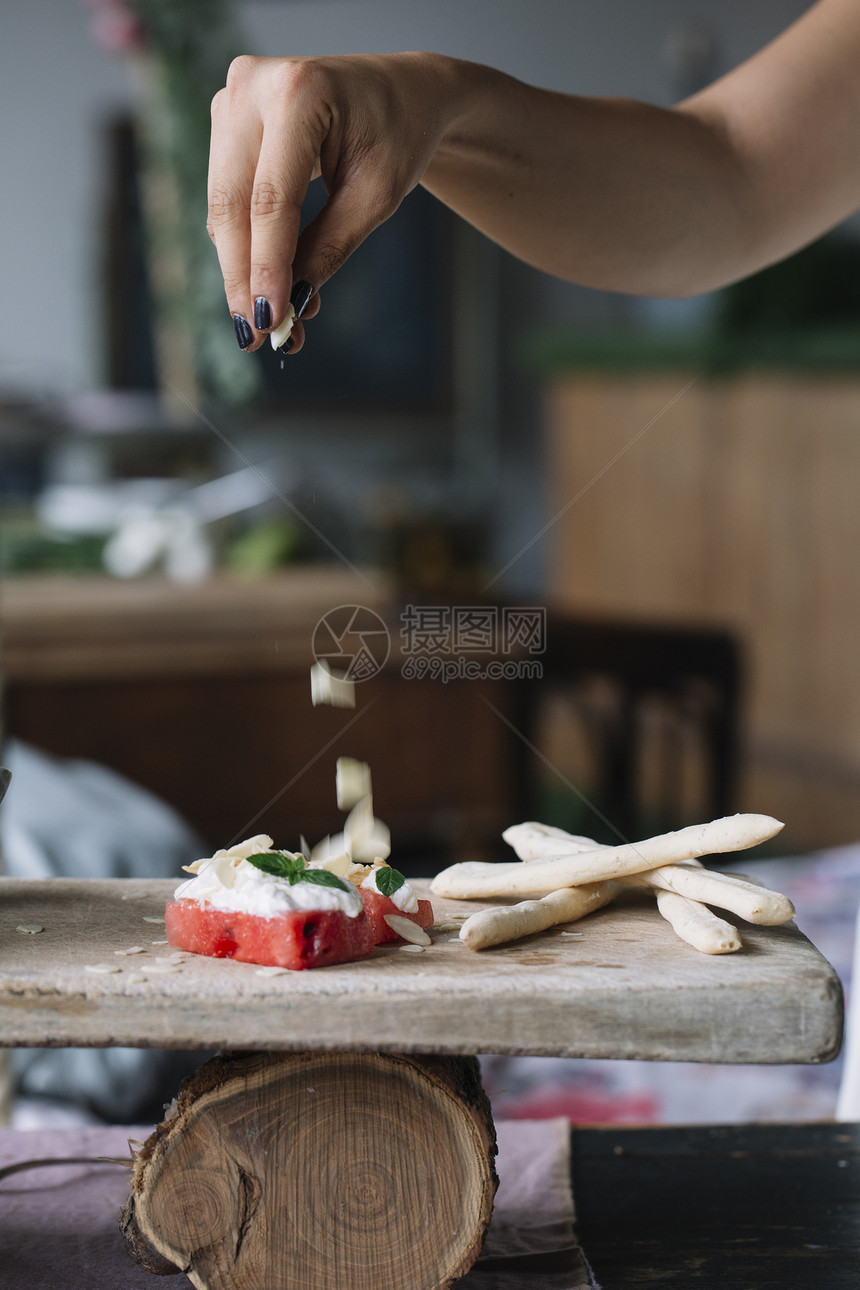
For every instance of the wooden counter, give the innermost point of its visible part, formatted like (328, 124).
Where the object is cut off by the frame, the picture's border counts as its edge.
(746, 1207)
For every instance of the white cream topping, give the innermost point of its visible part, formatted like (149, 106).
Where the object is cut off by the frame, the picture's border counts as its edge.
(227, 881)
(404, 897)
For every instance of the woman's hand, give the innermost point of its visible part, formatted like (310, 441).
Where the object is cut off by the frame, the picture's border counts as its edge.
(610, 194)
(368, 125)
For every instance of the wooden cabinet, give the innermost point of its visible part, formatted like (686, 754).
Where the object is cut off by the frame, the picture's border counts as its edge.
(730, 502)
(202, 695)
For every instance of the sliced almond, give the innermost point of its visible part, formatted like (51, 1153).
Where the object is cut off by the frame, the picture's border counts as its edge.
(152, 918)
(352, 780)
(101, 969)
(30, 929)
(407, 929)
(413, 949)
(278, 335)
(132, 949)
(272, 971)
(334, 688)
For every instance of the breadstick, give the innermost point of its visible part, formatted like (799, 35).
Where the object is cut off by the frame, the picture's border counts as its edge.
(748, 900)
(475, 879)
(696, 925)
(533, 841)
(510, 922)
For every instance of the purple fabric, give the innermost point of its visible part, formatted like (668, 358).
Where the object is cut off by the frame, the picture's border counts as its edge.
(59, 1224)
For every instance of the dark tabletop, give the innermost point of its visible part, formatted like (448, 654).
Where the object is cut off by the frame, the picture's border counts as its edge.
(754, 1207)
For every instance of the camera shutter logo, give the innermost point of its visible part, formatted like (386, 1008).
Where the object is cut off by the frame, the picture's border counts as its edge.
(352, 640)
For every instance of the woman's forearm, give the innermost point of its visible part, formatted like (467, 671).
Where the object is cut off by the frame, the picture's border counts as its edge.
(629, 197)
(604, 192)
(607, 193)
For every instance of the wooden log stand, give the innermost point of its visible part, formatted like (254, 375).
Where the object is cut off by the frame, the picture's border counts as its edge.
(318, 1171)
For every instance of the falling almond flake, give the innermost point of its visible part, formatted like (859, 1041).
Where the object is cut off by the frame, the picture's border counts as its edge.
(366, 837)
(30, 929)
(352, 782)
(334, 688)
(101, 969)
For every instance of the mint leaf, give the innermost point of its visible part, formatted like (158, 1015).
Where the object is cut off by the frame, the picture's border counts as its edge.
(279, 865)
(322, 878)
(293, 870)
(389, 880)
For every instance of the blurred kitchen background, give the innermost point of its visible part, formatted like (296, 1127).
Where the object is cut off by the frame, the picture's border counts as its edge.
(674, 482)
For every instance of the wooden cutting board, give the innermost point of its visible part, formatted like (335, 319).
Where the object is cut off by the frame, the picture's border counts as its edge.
(623, 987)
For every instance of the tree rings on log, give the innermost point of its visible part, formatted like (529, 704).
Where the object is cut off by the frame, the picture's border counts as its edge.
(318, 1171)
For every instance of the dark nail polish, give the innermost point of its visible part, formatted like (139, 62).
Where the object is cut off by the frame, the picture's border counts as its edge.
(287, 345)
(262, 314)
(300, 296)
(244, 335)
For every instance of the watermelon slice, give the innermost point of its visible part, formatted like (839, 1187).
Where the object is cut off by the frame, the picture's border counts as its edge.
(376, 906)
(295, 939)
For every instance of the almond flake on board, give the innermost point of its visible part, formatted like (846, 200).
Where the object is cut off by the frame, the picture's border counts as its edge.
(132, 949)
(413, 949)
(159, 942)
(271, 971)
(407, 929)
(102, 969)
(30, 929)
(152, 918)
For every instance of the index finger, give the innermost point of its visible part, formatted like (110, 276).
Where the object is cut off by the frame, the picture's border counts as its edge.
(233, 153)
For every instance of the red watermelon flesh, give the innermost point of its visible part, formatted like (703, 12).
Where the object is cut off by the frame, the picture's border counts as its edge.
(376, 906)
(296, 939)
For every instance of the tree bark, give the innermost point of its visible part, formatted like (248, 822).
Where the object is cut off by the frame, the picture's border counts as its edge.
(318, 1171)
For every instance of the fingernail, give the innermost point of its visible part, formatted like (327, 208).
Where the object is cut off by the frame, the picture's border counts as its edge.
(300, 296)
(287, 345)
(262, 314)
(244, 335)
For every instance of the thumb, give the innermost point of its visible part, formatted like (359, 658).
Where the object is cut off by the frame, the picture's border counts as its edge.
(351, 213)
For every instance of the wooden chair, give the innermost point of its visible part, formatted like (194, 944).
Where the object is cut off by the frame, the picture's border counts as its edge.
(649, 721)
